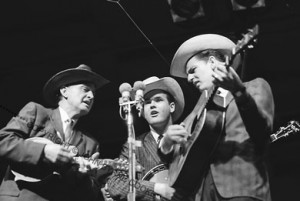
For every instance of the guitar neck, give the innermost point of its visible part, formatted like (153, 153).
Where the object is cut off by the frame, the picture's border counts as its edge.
(246, 43)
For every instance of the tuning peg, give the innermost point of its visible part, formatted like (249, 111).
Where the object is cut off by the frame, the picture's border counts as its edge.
(250, 46)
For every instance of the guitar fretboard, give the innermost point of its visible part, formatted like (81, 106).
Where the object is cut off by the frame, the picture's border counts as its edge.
(110, 162)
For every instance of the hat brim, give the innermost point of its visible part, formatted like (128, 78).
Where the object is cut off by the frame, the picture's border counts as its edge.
(68, 77)
(173, 88)
(198, 44)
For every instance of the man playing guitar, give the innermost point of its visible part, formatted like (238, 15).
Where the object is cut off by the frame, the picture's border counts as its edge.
(230, 126)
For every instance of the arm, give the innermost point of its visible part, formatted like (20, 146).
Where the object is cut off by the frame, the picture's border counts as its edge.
(256, 106)
(30, 157)
(13, 146)
(175, 134)
(254, 100)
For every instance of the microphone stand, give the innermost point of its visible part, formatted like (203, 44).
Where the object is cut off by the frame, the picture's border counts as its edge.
(131, 146)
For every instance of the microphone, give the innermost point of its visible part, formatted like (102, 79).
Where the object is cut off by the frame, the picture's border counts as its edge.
(125, 89)
(139, 88)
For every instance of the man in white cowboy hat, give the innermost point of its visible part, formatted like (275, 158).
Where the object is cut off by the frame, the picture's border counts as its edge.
(163, 105)
(39, 143)
(230, 126)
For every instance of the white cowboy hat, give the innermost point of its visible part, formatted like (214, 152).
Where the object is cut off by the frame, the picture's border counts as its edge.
(169, 85)
(197, 44)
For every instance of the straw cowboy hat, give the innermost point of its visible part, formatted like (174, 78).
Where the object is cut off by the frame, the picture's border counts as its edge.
(197, 44)
(80, 74)
(169, 85)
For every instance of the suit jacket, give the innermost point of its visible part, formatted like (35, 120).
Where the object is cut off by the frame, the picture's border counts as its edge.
(148, 156)
(26, 157)
(238, 165)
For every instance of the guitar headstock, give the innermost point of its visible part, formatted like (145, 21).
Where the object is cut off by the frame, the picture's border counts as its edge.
(246, 42)
(292, 127)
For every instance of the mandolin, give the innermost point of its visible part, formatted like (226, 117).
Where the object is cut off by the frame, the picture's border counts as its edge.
(291, 127)
(94, 163)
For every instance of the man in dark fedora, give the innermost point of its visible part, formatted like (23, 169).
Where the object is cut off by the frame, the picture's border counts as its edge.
(163, 105)
(41, 144)
(230, 125)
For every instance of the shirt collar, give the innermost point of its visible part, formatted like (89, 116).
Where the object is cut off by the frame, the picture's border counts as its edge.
(64, 116)
(155, 135)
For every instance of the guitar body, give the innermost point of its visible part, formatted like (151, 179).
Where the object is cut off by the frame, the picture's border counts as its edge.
(191, 160)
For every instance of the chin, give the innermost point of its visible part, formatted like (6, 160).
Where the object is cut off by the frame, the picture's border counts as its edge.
(155, 121)
(84, 111)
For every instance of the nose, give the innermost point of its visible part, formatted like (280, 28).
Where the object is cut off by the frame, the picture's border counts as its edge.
(190, 77)
(90, 94)
(152, 104)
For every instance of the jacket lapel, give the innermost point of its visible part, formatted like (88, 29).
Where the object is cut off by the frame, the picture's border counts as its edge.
(76, 138)
(56, 122)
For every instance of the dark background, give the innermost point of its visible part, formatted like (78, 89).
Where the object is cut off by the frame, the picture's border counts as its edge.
(41, 38)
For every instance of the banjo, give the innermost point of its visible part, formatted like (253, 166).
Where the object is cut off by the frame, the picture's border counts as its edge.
(157, 174)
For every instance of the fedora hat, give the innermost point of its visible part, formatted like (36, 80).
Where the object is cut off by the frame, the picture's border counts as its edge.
(80, 74)
(172, 87)
(197, 44)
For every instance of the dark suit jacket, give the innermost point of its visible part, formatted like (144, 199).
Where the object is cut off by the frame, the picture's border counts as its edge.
(26, 157)
(238, 165)
(147, 155)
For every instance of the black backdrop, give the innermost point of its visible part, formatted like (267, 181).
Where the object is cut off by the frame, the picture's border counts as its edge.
(38, 39)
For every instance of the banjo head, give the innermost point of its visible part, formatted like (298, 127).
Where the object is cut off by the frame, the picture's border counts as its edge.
(158, 174)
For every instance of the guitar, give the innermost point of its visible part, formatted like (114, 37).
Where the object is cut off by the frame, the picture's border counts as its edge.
(291, 127)
(160, 173)
(94, 163)
(193, 156)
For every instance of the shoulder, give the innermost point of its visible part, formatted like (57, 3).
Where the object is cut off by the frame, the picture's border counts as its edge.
(143, 136)
(32, 110)
(257, 83)
(259, 86)
(33, 106)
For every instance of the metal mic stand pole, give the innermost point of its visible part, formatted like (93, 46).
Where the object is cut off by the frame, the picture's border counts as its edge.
(131, 150)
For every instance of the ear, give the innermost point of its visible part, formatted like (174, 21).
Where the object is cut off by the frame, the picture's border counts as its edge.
(63, 92)
(212, 61)
(172, 107)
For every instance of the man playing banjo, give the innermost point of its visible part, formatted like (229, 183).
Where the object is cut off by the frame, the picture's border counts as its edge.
(164, 104)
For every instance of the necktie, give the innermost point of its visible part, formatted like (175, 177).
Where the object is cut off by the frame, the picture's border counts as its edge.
(68, 131)
(159, 139)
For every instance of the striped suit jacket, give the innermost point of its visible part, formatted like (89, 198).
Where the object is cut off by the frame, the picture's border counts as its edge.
(148, 156)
